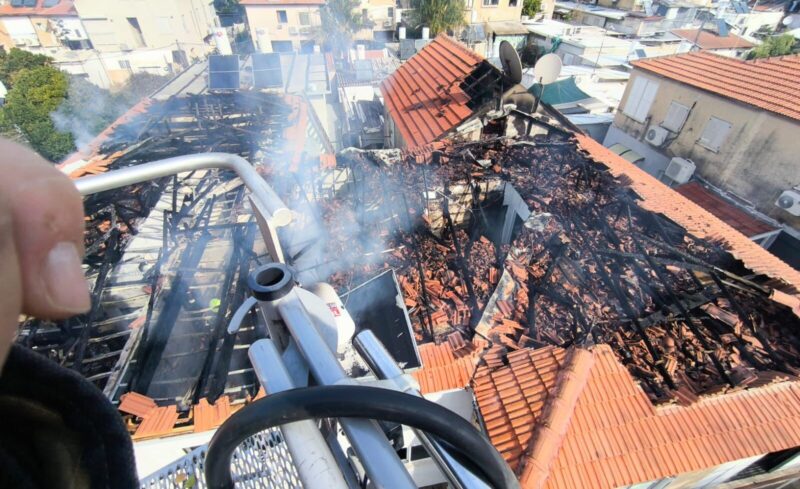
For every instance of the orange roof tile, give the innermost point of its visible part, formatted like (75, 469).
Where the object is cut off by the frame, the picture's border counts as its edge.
(727, 212)
(208, 416)
(62, 8)
(595, 427)
(446, 366)
(159, 422)
(657, 197)
(136, 404)
(771, 84)
(423, 96)
(712, 40)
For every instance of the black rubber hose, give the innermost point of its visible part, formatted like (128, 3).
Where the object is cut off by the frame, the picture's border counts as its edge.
(347, 401)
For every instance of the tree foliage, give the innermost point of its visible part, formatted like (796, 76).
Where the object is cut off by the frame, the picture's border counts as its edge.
(438, 15)
(340, 19)
(37, 92)
(531, 7)
(773, 46)
(51, 112)
(17, 60)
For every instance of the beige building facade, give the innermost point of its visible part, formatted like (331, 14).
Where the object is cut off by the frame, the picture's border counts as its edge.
(283, 26)
(182, 25)
(748, 151)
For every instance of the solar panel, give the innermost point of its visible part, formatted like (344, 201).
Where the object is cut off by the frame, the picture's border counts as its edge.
(50, 3)
(363, 70)
(223, 72)
(267, 71)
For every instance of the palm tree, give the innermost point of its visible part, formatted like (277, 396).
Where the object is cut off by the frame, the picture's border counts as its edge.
(340, 20)
(438, 15)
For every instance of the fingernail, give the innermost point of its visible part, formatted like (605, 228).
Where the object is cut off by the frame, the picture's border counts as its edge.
(66, 285)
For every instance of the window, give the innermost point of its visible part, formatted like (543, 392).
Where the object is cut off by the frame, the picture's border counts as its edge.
(282, 46)
(491, 3)
(640, 98)
(714, 134)
(125, 64)
(676, 116)
(305, 18)
(390, 14)
(282, 17)
(512, 3)
(136, 31)
(365, 15)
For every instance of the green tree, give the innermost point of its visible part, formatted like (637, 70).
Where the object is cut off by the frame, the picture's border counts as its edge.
(773, 46)
(37, 92)
(440, 16)
(531, 7)
(340, 20)
(17, 60)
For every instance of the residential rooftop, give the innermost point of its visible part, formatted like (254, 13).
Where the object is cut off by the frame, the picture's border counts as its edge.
(705, 39)
(771, 84)
(42, 8)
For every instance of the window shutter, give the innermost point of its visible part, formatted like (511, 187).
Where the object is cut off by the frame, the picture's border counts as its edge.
(676, 116)
(640, 98)
(714, 133)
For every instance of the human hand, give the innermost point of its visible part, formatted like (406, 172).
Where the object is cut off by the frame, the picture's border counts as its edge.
(41, 242)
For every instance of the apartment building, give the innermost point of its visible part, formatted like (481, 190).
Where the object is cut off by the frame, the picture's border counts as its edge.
(41, 26)
(735, 121)
(283, 25)
(380, 17)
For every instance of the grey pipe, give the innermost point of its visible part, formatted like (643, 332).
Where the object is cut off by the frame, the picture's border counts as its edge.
(380, 361)
(279, 213)
(380, 461)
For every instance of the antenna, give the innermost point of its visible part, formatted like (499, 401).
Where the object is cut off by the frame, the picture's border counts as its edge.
(547, 69)
(512, 66)
(545, 72)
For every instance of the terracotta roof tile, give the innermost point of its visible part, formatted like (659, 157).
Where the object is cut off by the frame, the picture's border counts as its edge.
(598, 429)
(208, 416)
(657, 197)
(62, 8)
(726, 211)
(136, 404)
(446, 366)
(423, 96)
(158, 423)
(771, 84)
(712, 40)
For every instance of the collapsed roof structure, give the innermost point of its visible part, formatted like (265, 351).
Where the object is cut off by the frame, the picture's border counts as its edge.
(582, 300)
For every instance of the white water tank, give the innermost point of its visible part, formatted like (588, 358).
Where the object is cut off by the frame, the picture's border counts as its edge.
(426, 33)
(401, 33)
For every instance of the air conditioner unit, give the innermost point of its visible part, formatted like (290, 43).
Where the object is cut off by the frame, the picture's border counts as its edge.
(388, 23)
(305, 30)
(680, 170)
(790, 202)
(656, 135)
(293, 30)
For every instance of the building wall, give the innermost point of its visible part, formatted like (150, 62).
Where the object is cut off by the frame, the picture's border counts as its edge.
(757, 159)
(382, 15)
(176, 24)
(265, 27)
(630, 5)
(482, 11)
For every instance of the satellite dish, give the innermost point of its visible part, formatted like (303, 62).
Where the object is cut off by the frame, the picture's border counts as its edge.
(787, 21)
(512, 66)
(547, 69)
